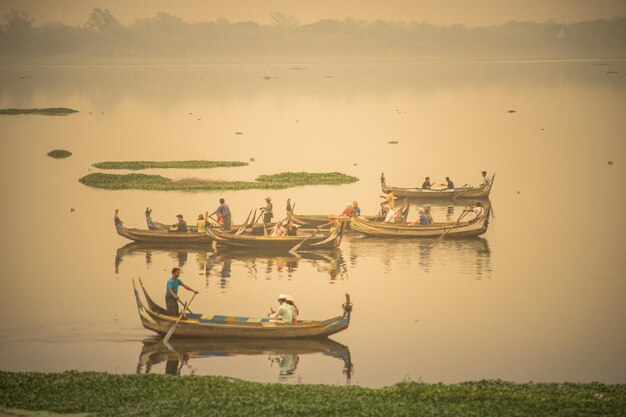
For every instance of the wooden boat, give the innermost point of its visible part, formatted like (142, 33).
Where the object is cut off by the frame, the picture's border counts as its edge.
(154, 318)
(154, 225)
(261, 243)
(185, 350)
(444, 193)
(161, 236)
(472, 228)
(314, 220)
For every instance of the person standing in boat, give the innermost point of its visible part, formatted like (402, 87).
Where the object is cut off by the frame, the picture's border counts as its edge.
(449, 183)
(389, 200)
(288, 208)
(284, 313)
(268, 213)
(426, 185)
(485, 179)
(171, 292)
(224, 211)
(181, 226)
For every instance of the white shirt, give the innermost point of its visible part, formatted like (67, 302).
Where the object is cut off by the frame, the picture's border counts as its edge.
(486, 180)
(478, 211)
(390, 216)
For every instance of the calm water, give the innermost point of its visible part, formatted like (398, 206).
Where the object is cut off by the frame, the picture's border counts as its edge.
(539, 297)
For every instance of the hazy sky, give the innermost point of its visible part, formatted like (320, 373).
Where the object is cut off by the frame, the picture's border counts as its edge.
(442, 12)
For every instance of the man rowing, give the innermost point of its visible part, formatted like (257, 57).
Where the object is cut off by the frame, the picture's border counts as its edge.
(171, 292)
(224, 211)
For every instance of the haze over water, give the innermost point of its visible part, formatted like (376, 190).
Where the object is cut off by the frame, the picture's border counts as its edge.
(539, 297)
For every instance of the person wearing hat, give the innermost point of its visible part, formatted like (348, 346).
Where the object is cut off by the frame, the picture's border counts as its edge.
(294, 308)
(267, 210)
(390, 199)
(485, 179)
(333, 224)
(181, 226)
(284, 313)
(426, 185)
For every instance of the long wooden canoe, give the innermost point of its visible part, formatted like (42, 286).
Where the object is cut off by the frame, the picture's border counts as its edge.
(155, 318)
(261, 243)
(472, 228)
(445, 193)
(185, 350)
(161, 236)
(314, 220)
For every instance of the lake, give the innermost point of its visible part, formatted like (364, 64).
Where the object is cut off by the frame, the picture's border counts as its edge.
(539, 297)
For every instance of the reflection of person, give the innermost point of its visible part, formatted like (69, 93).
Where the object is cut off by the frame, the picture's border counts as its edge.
(224, 211)
(171, 293)
(284, 313)
(268, 210)
(181, 226)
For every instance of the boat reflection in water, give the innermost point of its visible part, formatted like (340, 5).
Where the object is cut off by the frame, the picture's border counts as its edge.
(285, 354)
(471, 256)
(219, 265)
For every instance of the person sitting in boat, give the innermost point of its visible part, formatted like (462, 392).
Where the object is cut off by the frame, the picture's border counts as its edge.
(333, 224)
(294, 308)
(284, 314)
(181, 226)
(422, 218)
(449, 183)
(478, 210)
(292, 230)
(201, 223)
(171, 292)
(278, 230)
(355, 207)
(426, 185)
(267, 210)
(348, 211)
(429, 215)
(485, 179)
(224, 211)
(390, 214)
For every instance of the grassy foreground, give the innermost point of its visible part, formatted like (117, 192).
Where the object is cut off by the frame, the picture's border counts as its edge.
(161, 395)
(138, 165)
(159, 183)
(51, 111)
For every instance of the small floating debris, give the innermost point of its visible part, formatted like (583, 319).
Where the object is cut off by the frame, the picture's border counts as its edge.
(484, 251)
(267, 77)
(72, 210)
(238, 133)
(199, 118)
(101, 112)
(24, 77)
(190, 113)
(298, 68)
(517, 192)
(512, 111)
(610, 162)
(252, 159)
(59, 154)
(612, 72)
(542, 128)
(355, 164)
(393, 142)
(329, 76)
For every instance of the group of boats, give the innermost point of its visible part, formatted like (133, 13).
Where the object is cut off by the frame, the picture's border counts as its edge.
(315, 232)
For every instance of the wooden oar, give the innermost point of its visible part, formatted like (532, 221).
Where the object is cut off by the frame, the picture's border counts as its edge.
(294, 250)
(170, 332)
(454, 225)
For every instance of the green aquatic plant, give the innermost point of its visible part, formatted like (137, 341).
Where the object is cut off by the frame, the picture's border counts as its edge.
(51, 111)
(139, 165)
(105, 394)
(160, 183)
(59, 153)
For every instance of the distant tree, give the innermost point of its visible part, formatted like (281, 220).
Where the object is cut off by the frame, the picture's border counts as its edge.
(281, 20)
(18, 21)
(102, 21)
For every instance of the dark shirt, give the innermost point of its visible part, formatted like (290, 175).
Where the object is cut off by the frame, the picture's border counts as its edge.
(292, 232)
(223, 210)
(426, 185)
(181, 226)
(357, 211)
(450, 184)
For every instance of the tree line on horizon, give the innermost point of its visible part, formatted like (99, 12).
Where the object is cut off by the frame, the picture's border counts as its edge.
(167, 37)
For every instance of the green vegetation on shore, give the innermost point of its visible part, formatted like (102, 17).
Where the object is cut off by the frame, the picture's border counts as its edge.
(159, 183)
(51, 111)
(161, 395)
(139, 165)
(59, 153)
